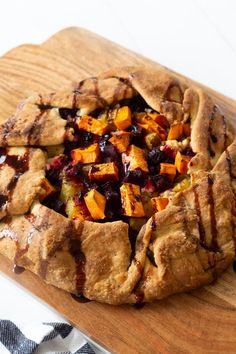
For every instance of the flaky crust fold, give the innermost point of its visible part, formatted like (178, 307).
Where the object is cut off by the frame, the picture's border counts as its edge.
(183, 247)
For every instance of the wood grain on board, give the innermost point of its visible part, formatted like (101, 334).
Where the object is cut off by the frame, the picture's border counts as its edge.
(202, 321)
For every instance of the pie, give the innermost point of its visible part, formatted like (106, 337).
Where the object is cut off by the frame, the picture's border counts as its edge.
(121, 190)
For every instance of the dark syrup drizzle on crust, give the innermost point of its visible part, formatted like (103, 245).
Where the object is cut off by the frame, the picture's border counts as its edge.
(198, 210)
(211, 136)
(228, 159)
(33, 132)
(20, 164)
(224, 124)
(6, 129)
(214, 232)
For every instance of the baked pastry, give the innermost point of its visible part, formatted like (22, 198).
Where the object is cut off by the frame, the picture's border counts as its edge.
(121, 190)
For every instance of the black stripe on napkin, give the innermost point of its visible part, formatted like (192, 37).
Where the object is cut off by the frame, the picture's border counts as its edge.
(86, 349)
(62, 329)
(11, 336)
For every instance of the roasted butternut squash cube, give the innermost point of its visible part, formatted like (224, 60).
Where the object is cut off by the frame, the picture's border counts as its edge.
(176, 131)
(95, 203)
(131, 200)
(159, 203)
(107, 116)
(123, 118)
(47, 189)
(187, 129)
(87, 155)
(146, 122)
(103, 172)
(120, 140)
(77, 211)
(168, 169)
(160, 119)
(92, 125)
(181, 163)
(136, 159)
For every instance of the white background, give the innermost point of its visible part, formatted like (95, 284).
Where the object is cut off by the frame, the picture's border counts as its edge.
(194, 37)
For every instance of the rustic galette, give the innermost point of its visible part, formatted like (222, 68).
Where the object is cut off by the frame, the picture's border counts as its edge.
(121, 190)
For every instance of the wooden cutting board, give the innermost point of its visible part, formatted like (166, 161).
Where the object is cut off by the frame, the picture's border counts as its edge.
(203, 321)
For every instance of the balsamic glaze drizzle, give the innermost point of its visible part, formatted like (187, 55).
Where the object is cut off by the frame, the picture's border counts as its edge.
(198, 210)
(211, 136)
(228, 159)
(20, 164)
(224, 131)
(214, 232)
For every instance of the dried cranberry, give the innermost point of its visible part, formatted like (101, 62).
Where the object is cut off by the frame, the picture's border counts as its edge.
(109, 152)
(169, 152)
(155, 157)
(136, 135)
(84, 139)
(162, 183)
(134, 176)
(58, 162)
(113, 205)
(109, 191)
(73, 172)
(149, 186)
(55, 167)
(76, 174)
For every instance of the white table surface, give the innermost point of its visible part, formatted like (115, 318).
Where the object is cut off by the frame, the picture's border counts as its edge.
(194, 37)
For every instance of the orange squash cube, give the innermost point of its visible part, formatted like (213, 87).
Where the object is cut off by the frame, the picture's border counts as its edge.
(95, 203)
(160, 119)
(136, 159)
(92, 125)
(181, 163)
(169, 169)
(146, 122)
(123, 118)
(176, 131)
(87, 155)
(120, 140)
(159, 203)
(131, 200)
(103, 172)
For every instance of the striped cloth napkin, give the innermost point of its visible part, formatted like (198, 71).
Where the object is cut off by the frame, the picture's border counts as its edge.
(44, 338)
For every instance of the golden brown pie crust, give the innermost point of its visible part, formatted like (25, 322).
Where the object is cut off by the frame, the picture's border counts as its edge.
(193, 240)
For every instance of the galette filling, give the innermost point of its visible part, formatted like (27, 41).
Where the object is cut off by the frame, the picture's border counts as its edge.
(125, 163)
